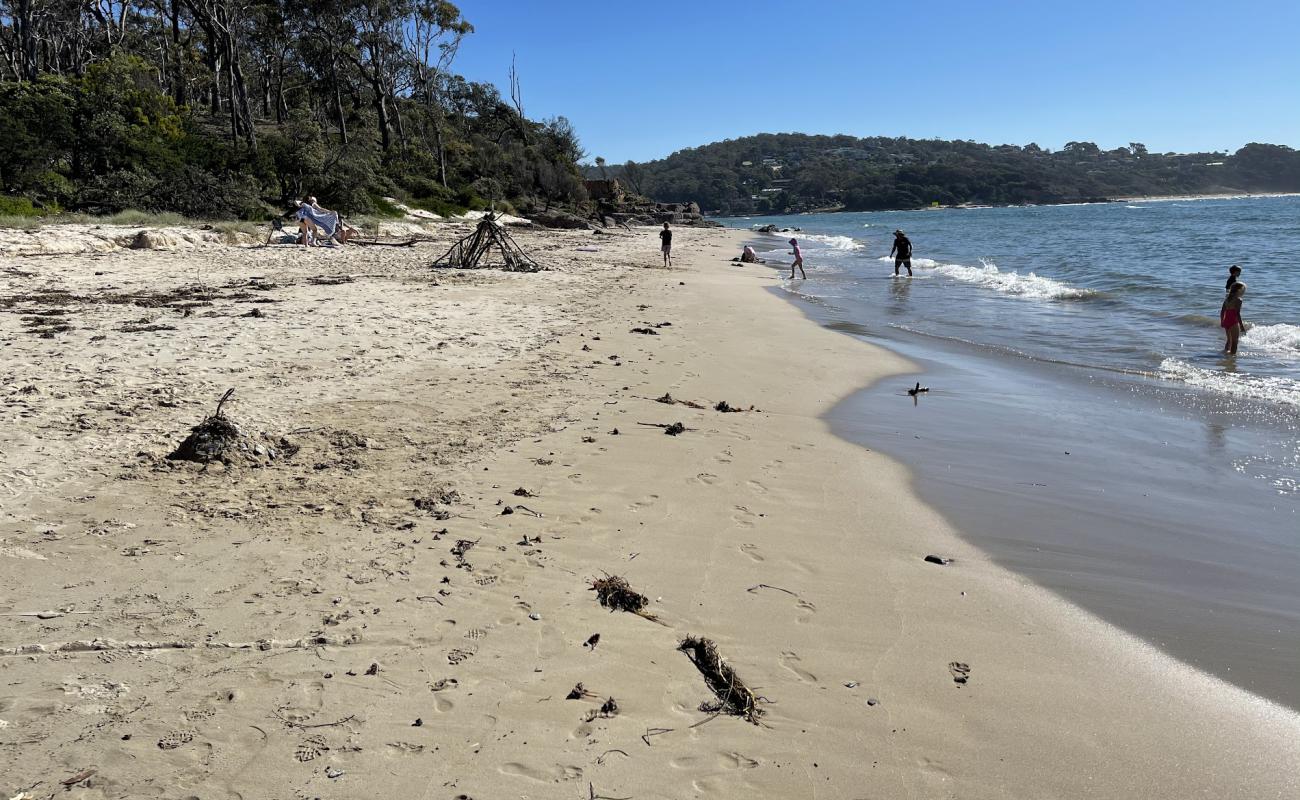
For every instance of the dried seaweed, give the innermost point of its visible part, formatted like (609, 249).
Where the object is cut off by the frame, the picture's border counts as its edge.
(734, 697)
(614, 592)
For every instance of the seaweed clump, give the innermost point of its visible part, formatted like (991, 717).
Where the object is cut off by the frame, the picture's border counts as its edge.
(615, 593)
(733, 696)
(219, 438)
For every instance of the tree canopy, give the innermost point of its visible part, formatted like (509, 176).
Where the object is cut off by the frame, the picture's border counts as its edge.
(776, 173)
(221, 108)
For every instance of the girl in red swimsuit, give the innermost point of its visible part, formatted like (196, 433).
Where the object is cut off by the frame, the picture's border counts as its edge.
(1230, 318)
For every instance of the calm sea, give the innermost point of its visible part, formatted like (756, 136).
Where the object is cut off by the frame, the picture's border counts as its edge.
(1083, 426)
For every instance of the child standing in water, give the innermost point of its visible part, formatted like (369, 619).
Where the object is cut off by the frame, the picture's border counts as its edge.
(1234, 275)
(1230, 318)
(798, 260)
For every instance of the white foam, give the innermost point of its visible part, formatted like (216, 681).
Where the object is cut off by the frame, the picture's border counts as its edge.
(1233, 384)
(989, 276)
(834, 242)
(1281, 338)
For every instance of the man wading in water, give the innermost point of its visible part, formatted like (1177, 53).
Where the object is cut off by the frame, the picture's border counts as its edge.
(902, 252)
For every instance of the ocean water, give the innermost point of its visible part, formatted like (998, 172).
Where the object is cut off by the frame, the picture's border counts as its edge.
(1083, 426)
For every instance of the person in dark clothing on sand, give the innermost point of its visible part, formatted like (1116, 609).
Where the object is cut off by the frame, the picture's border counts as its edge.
(666, 239)
(902, 252)
(1234, 275)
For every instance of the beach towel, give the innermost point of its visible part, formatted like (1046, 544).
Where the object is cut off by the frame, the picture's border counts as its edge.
(328, 222)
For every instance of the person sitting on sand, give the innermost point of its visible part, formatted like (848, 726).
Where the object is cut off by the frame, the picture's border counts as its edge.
(902, 252)
(1234, 273)
(748, 256)
(798, 260)
(666, 245)
(1230, 318)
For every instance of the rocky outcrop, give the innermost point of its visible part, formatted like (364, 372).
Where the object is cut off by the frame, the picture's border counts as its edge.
(645, 212)
(561, 219)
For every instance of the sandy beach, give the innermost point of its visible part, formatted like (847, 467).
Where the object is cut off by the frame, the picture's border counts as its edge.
(391, 596)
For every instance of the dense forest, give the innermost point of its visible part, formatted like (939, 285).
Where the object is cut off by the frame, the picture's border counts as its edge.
(789, 172)
(231, 108)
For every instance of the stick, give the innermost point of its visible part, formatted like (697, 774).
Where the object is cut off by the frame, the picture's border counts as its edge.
(645, 737)
(754, 589)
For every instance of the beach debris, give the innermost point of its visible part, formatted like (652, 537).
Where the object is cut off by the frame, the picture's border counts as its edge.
(578, 692)
(373, 669)
(591, 793)
(645, 331)
(733, 696)
(851, 685)
(219, 438)
(614, 592)
(78, 778)
(609, 708)
(489, 238)
(334, 773)
(668, 399)
(419, 723)
(592, 641)
(940, 560)
(522, 492)
(645, 737)
(535, 616)
(960, 672)
(918, 389)
(871, 701)
(674, 429)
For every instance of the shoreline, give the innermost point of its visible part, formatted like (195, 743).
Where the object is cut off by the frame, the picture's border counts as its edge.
(798, 552)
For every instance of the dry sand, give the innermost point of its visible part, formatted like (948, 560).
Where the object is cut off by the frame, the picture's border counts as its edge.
(360, 618)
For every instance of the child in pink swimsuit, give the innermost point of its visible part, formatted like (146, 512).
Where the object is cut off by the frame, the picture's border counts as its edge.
(1230, 318)
(798, 260)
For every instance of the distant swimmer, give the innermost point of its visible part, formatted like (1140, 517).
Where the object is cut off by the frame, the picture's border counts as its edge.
(902, 252)
(666, 240)
(798, 260)
(1234, 275)
(1230, 318)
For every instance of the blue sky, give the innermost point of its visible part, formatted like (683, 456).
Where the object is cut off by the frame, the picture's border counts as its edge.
(640, 81)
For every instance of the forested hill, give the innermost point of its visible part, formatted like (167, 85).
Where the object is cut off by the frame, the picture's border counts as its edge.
(220, 108)
(785, 172)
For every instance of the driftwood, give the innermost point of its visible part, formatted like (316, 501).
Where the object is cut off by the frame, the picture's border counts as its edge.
(734, 697)
(476, 250)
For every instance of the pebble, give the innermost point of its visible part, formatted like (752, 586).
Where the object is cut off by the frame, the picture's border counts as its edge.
(534, 616)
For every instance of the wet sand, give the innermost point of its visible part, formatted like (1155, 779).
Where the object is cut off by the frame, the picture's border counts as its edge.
(359, 615)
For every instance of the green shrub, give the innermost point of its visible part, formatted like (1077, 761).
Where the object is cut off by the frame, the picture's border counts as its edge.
(18, 207)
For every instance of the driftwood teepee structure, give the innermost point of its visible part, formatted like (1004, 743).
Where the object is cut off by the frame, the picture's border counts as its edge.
(489, 246)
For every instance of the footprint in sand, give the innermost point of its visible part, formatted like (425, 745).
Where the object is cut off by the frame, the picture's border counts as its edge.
(175, 739)
(743, 517)
(553, 775)
(458, 655)
(310, 749)
(756, 487)
(707, 478)
(790, 661)
(736, 761)
(751, 550)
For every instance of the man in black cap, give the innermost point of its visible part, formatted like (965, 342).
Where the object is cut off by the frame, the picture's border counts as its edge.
(902, 252)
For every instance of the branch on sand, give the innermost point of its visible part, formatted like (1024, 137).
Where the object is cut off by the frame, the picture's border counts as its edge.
(614, 592)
